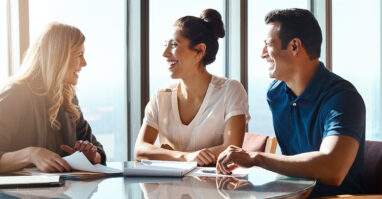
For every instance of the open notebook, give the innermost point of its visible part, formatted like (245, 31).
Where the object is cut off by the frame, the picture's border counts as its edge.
(158, 168)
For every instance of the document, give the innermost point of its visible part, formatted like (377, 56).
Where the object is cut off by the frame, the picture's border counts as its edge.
(86, 170)
(29, 181)
(158, 168)
(78, 161)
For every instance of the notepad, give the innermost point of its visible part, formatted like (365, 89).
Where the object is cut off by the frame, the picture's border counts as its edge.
(29, 181)
(160, 168)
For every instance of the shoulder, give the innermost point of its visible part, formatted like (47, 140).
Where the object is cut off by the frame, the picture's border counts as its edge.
(227, 84)
(340, 93)
(165, 91)
(14, 90)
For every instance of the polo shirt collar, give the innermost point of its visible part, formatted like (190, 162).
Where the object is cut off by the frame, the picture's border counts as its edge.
(315, 85)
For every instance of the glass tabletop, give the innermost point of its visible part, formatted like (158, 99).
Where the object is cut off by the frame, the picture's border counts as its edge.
(259, 183)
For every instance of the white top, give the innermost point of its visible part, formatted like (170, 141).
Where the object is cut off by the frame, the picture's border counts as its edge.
(224, 98)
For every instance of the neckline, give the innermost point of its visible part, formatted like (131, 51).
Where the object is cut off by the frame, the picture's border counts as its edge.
(175, 106)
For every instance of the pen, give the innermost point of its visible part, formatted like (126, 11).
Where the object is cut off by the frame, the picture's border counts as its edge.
(208, 171)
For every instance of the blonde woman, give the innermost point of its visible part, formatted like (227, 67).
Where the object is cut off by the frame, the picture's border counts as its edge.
(40, 120)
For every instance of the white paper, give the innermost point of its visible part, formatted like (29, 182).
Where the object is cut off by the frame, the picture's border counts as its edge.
(15, 180)
(160, 168)
(211, 172)
(78, 161)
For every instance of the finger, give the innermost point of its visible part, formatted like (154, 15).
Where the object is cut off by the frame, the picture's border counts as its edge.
(232, 166)
(94, 149)
(88, 147)
(54, 165)
(82, 147)
(202, 159)
(77, 145)
(224, 163)
(211, 155)
(64, 164)
(205, 155)
(67, 149)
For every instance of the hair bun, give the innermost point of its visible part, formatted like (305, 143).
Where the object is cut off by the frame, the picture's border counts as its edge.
(214, 19)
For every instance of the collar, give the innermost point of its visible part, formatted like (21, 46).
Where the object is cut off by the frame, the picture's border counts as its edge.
(314, 86)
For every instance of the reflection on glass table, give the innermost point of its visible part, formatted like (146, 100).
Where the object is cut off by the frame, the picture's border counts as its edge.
(259, 183)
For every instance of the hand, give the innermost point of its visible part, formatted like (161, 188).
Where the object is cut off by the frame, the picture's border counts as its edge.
(48, 161)
(203, 157)
(166, 146)
(86, 147)
(231, 183)
(231, 158)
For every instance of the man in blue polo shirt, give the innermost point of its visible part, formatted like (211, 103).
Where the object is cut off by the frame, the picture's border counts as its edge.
(318, 117)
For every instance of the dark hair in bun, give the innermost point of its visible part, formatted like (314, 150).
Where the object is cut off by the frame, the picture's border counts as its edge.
(206, 29)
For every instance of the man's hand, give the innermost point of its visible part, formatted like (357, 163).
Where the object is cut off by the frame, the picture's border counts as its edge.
(86, 147)
(233, 157)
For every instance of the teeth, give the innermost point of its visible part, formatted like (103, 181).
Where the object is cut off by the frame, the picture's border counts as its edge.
(269, 59)
(172, 62)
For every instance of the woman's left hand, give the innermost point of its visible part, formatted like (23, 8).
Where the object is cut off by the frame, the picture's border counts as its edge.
(86, 147)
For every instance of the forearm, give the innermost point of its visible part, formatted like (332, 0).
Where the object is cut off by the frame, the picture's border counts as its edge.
(149, 151)
(16, 160)
(314, 165)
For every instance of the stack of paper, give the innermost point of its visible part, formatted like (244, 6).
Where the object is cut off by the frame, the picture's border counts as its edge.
(28, 181)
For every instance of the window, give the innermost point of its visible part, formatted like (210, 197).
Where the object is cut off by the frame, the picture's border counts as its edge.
(102, 84)
(3, 41)
(163, 14)
(258, 74)
(357, 54)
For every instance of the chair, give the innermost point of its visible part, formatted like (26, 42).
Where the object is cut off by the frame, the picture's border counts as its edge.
(372, 174)
(254, 142)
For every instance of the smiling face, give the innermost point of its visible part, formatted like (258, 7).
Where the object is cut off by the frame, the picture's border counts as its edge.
(183, 60)
(279, 60)
(77, 61)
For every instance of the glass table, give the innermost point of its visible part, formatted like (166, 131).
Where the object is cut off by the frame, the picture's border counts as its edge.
(259, 183)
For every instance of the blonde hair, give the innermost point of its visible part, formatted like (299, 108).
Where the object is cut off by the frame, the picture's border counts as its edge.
(45, 65)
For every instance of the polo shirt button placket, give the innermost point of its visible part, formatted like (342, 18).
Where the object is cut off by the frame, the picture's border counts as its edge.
(294, 104)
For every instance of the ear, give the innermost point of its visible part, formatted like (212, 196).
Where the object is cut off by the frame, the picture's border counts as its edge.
(295, 45)
(201, 50)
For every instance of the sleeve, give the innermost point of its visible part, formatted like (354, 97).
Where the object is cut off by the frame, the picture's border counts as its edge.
(236, 101)
(151, 112)
(12, 110)
(84, 132)
(345, 115)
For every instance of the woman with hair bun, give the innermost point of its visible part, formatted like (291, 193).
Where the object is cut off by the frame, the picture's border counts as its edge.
(40, 117)
(202, 114)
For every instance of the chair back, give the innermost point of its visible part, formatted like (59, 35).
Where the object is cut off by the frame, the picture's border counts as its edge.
(372, 174)
(254, 142)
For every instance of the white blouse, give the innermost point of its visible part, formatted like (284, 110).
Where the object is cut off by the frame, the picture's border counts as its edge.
(224, 98)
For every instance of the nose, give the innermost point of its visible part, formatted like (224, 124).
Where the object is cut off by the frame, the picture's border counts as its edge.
(83, 62)
(167, 51)
(264, 54)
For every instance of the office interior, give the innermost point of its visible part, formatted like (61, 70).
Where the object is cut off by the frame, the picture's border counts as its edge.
(125, 42)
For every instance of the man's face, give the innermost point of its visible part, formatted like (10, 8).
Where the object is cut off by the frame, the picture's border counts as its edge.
(279, 61)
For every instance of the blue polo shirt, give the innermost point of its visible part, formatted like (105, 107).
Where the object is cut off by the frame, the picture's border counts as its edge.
(328, 106)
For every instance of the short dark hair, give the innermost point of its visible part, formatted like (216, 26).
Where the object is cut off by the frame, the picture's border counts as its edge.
(298, 23)
(204, 29)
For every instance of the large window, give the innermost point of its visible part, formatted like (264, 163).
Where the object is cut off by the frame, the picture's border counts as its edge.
(258, 74)
(162, 15)
(102, 84)
(357, 54)
(3, 41)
